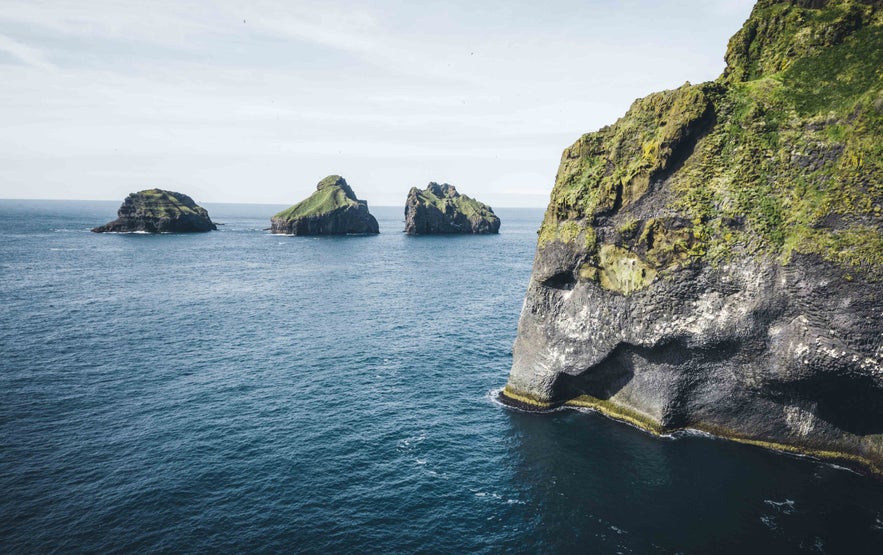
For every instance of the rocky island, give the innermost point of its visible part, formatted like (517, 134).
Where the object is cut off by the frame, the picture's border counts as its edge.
(332, 210)
(159, 211)
(441, 209)
(713, 260)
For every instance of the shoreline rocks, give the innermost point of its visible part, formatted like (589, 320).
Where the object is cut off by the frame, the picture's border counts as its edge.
(159, 211)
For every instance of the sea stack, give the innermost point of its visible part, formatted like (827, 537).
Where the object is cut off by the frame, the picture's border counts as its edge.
(332, 210)
(441, 209)
(159, 211)
(714, 259)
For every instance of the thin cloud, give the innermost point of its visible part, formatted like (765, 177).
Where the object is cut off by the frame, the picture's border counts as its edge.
(25, 54)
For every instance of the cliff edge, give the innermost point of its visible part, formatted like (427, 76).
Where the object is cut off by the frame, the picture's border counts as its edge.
(713, 260)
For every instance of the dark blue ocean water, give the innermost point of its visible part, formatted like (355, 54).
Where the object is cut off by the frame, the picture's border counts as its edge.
(237, 391)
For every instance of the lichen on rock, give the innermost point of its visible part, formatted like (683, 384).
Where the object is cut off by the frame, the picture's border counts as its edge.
(159, 211)
(440, 209)
(332, 210)
(714, 258)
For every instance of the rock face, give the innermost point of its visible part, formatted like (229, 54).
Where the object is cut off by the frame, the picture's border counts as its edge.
(713, 260)
(441, 209)
(332, 210)
(158, 211)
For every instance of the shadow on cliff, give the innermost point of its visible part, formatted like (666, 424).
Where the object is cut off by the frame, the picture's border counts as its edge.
(852, 404)
(678, 370)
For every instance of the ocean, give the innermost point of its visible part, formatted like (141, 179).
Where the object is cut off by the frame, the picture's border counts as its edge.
(237, 391)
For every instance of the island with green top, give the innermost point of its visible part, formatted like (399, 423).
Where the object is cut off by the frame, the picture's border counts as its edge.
(158, 211)
(440, 209)
(332, 210)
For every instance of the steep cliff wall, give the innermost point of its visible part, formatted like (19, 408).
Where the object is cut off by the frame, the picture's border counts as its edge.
(714, 259)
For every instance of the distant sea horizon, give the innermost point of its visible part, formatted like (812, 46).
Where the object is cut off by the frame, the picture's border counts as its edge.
(280, 204)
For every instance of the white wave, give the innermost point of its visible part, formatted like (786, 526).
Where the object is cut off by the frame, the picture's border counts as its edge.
(785, 507)
(769, 522)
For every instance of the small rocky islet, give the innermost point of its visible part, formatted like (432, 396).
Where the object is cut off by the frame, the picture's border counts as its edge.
(440, 209)
(159, 211)
(333, 209)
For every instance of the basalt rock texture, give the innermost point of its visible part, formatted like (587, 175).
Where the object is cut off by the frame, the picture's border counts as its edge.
(441, 209)
(158, 211)
(332, 210)
(713, 260)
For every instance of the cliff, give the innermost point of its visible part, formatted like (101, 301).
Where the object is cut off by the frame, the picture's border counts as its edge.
(158, 211)
(332, 210)
(713, 260)
(441, 209)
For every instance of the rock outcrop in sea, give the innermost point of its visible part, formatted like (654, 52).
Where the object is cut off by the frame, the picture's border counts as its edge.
(332, 210)
(159, 211)
(714, 259)
(441, 209)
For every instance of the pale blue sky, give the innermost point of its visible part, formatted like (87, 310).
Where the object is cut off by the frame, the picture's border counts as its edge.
(256, 101)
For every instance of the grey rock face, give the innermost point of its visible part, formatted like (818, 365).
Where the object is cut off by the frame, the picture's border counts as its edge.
(355, 220)
(440, 209)
(785, 355)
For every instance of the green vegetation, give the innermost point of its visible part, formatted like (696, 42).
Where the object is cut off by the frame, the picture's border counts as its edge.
(157, 203)
(446, 198)
(328, 197)
(782, 155)
(779, 33)
(623, 271)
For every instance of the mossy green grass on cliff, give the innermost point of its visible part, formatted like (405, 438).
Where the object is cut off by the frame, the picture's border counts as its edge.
(323, 201)
(157, 203)
(778, 34)
(781, 155)
(469, 207)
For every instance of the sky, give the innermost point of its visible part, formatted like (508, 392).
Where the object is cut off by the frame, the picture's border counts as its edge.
(257, 101)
